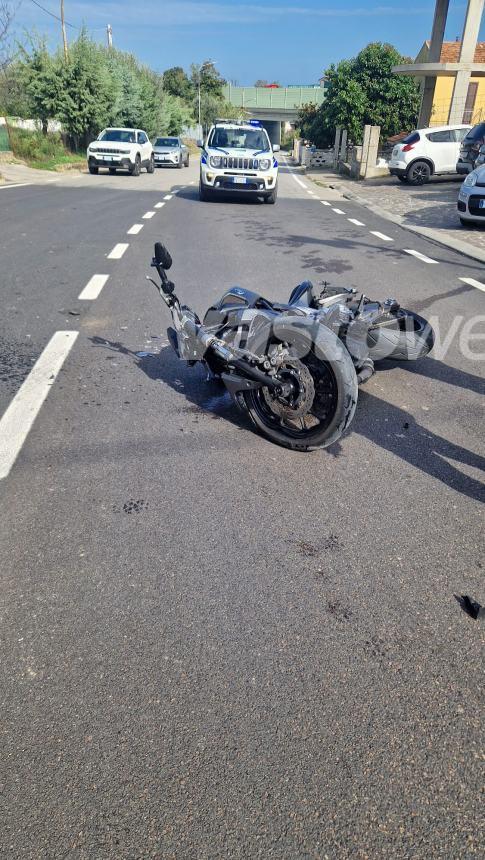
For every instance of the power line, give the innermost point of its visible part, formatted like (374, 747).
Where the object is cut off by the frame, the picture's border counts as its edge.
(53, 15)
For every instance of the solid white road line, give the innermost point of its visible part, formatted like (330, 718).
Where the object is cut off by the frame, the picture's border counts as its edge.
(158, 205)
(14, 185)
(381, 236)
(473, 283)
(168, 197)
(133, 231)
(93, 287)
(148, 215)
(357, 223)
(419, 256)
(338, 211)
(299, 181)
(25, 406)
(325, 203)
(117, 251)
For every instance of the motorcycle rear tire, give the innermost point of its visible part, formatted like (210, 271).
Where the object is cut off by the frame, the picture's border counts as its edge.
(399, 345)
(313, 439)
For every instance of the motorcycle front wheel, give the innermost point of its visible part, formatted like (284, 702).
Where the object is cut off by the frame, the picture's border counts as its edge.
(335, 392)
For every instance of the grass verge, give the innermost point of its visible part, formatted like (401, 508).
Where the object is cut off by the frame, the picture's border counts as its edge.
(44, 152)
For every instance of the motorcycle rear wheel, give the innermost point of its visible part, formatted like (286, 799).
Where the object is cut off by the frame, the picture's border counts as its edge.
(336, 393)
(410, 338)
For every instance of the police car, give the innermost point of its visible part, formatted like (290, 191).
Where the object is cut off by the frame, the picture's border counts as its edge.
(237, 158)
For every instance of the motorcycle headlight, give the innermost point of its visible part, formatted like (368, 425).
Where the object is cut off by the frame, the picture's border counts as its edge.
(215, 160)
(471, 179)
(264, 164)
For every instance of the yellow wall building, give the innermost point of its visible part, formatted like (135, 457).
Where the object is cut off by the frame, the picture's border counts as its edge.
(473, 108)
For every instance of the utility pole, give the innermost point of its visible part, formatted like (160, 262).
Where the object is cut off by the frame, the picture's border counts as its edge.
(109, 31)
(63, 26)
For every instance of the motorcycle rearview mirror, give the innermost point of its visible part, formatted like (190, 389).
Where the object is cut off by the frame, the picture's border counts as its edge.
(162, 256)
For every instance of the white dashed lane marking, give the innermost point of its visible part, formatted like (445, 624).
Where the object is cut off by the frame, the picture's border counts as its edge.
(356, 222)
(14, 185)
(338, 211)
(473, 283)
(25, 406)
(381, 236)
(299, 182)
(118, 251)
(159, 205)
(93, 287)
(168, 197)
(133, 231)
(324, 202)
(148, 215)
(419, 256)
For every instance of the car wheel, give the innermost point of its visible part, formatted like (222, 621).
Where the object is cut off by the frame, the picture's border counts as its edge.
(419, 173)
(151, 165)
(135, 169)
(188, 160)
(94, 170)
(203, 193)
(112, 171)
(271, 198)
(180, 164)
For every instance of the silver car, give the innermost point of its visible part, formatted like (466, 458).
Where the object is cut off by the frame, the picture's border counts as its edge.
(471, 199)
(170, 151)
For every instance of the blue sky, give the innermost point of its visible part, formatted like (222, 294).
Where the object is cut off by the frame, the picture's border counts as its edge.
(286, 41)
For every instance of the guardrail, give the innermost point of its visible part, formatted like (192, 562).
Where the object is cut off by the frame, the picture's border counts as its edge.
(282, 98)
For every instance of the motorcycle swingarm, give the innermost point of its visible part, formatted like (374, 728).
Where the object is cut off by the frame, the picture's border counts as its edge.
(235, 383)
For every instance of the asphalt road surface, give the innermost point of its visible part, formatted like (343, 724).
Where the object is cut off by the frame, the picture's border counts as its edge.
(212, 647)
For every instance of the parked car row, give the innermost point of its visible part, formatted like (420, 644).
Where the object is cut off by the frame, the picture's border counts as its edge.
(130, 149)
(450, 149)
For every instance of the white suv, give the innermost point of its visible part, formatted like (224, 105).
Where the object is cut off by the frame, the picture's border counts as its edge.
(121, 149)
(238, 158)
(426, 152)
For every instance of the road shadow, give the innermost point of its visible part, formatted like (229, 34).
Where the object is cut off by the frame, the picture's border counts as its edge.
(204, 396)
(431, 368)
(383, 424)
(398, 432)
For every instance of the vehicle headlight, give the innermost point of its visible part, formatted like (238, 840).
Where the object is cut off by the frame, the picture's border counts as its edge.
(264, 164)
(92, 148)
(215, 161)
(471, 179)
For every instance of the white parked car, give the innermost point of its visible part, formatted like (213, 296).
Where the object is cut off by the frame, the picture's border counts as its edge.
(471, 199)
(427, 152)
(121, 149)
(237, 158)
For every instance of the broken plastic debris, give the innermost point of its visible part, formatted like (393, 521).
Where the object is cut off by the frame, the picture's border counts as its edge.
(145, 354)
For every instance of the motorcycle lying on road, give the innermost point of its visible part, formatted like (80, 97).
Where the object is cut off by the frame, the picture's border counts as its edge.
(294, 368)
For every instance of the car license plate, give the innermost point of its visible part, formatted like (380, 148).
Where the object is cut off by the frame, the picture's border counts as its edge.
(239, 180)
(481, 205)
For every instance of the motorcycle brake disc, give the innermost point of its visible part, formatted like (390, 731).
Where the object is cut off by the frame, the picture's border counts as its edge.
(293, 370)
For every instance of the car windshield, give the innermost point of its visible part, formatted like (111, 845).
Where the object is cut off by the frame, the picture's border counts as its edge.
(166, 141)
(239, 138)
(121, 135)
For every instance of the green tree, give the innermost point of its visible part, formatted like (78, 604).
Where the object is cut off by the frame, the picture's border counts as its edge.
(41, 76)
(177, 83)
(88, 91)
(6, 19)
(364, 91)
(175, 115)
(211, 81)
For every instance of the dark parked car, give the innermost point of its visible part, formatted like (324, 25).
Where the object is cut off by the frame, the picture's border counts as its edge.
(470, 148)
